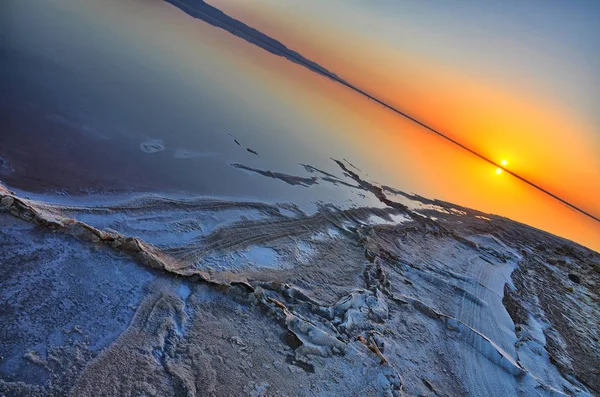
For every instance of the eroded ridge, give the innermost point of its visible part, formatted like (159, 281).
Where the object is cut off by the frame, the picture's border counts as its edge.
(367, 301)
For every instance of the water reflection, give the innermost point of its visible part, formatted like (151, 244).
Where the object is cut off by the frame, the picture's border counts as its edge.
(138, 95)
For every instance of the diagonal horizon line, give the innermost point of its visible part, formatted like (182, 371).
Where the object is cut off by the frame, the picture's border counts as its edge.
(187, 8)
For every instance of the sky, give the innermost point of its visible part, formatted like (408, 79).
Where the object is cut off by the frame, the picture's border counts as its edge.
(512, 80)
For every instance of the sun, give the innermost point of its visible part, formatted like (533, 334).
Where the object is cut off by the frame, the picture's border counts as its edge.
(503, 164)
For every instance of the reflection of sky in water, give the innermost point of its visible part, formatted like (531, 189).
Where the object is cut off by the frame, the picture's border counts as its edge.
(511, 79)
(142, 71)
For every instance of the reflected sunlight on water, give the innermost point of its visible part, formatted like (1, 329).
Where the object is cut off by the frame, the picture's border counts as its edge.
(138, 72)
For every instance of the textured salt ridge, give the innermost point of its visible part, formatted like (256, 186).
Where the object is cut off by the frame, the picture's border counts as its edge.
(144, 253)
(314, 340)
(278, 297)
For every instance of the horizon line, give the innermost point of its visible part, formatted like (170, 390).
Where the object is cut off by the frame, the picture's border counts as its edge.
(323, 71)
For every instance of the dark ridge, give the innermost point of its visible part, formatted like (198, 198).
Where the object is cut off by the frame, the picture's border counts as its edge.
(353, 166)
(376, 190)
(312, 169)
(213, 16)
(235, 140)
(329, 177)
(252, 151)
(289, 179)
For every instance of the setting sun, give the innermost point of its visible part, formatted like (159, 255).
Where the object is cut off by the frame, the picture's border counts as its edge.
(504, 162)
(498, 171)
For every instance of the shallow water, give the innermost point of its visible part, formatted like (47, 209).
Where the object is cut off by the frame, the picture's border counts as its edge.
(138, 96)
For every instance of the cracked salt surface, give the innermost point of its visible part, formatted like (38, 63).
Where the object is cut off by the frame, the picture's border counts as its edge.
(384, 301)
(393, 219)
(60, 295)
(254, 257)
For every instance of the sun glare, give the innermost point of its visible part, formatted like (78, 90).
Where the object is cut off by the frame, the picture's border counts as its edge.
(498, 171)
(504, 162)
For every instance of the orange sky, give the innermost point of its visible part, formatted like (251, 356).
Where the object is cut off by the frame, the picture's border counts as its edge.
(319, 118)
(542, 141)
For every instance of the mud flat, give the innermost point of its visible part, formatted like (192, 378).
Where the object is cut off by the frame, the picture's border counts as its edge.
(206, 297)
